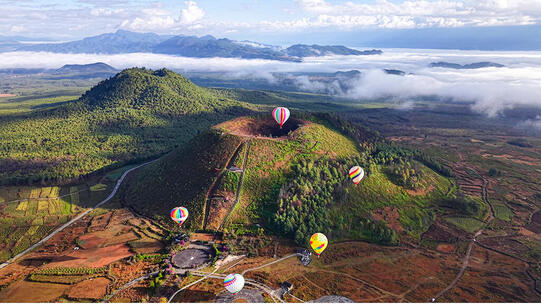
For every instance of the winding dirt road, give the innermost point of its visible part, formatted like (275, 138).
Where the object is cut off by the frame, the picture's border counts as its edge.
(45, 239)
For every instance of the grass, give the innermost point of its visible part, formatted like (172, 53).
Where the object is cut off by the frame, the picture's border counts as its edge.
(467, 224)
(42, 95)
(66, 207)
(22, 206)
(98, 187)
(60, 279)
(329, 140)
(268, 162)
(74, 198)
(32, 230)
(501, 211)
(43, 208)
(115, 174)
(230, 181)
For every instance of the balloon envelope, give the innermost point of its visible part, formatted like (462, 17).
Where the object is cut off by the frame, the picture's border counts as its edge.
(356, 174)
(234, 283)
(179, 214)
(281, 115)
(319, 242)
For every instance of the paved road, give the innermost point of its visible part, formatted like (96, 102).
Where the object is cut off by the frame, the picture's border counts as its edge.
(273, 262)
(45, 239)
(129, 284)
(250, 282)
(203, 278)
(263, 287)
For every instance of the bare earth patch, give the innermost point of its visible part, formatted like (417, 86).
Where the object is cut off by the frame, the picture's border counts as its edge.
(25, 291)
(96, 257)
(446, 248)
(390, 215)
(418, 192)
(93, 289)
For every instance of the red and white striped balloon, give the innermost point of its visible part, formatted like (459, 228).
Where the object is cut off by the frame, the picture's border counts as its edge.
(281, 115)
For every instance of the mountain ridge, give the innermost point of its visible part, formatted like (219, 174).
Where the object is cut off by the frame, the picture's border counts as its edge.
(470, 66)
(123, 41)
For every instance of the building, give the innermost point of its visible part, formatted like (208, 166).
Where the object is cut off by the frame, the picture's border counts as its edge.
(235, 169)
(287, 286)
(304, 256)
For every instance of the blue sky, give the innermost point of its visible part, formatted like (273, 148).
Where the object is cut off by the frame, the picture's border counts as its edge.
(245, 19)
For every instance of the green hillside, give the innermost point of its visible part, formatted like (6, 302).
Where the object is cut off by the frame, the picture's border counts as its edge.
(137, 114)
(295, 182)
(181, 178)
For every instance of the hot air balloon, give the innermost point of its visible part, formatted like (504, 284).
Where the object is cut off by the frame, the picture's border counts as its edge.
(280, 114)
(319, 242)
(356, 174)
(234, 283)
(179, 215)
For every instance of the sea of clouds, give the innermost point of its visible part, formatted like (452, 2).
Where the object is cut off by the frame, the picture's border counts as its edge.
(491, 90)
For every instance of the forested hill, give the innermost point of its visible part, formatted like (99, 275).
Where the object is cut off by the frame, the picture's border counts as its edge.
(138, 114)
(161, 91)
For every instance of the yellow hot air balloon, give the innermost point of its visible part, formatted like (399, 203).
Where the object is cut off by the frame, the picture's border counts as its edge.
(319, 242)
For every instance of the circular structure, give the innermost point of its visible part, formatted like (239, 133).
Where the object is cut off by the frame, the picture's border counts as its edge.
(245, 295)
(190, 258)
(333, 299)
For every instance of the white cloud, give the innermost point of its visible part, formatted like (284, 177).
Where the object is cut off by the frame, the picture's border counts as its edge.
(191, 13)
(148, 23)
(158, 19)
(531, 123)
(491, 90)
(96, 12)
(16, 29)
(417, 14)
(188, 17)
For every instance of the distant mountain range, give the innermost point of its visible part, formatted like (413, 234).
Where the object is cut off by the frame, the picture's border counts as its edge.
(208, 46)
(303, 50)
(111, 43)
(98, 67)
(190, 46)
(92, 70)
(475, 65)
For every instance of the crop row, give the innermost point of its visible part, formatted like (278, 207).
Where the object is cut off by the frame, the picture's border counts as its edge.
(61, 279)
(60, 271)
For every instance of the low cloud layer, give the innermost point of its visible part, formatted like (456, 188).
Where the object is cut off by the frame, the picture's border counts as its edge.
(491, 89)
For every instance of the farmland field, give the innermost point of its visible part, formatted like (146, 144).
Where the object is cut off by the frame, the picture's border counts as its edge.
(30, 213)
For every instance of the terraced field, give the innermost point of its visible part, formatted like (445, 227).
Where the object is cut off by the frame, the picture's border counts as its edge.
(29, 213)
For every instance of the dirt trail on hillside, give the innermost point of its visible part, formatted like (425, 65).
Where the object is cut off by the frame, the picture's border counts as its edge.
(216, 183)
(239, 186)
(461, 165)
